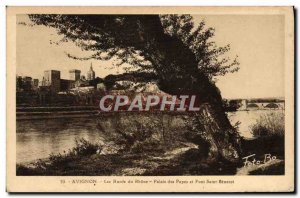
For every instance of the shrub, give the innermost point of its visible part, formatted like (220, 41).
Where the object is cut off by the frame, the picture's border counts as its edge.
(271, 124)
(146, 132)
(82, 148)
(85, 148)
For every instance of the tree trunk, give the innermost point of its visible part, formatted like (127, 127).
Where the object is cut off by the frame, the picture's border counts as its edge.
(224, 141)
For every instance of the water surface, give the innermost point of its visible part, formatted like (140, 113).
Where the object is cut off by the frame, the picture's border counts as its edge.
(37, 139)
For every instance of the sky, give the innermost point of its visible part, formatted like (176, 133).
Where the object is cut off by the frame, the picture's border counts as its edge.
(258, 40)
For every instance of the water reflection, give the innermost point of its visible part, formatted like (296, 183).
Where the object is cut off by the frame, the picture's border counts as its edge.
(38, 138)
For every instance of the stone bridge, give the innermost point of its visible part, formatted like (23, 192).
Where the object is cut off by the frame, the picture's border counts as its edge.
(254, 105)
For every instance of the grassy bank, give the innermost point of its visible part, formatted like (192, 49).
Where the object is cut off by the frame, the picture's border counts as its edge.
(267, 145)
(271, 124)
(86, 159)
(268, 132)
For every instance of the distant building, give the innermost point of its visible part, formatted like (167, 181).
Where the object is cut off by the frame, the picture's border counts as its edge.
(52, 79)
(84, 95)
(19, 83)
(82, 77)
(90, 74)
(74, 74)
(44, 96)
(43, 82)
(82, 83)
(26, 83)
(35, 84)
(66, 85)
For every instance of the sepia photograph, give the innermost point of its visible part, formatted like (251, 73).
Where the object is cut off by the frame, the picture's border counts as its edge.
(153, 96)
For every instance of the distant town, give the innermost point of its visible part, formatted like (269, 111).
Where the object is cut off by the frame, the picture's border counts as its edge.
(86, 90)
(53, 90)
(53, 81)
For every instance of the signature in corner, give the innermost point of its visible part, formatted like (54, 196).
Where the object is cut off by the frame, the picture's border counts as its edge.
(250, 160)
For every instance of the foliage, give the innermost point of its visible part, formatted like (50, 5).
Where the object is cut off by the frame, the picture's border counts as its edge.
(95, 81)
(271, 124)
(198, 39)
(107, 36)
(143, 133)
(231, 105)
(82, 148)
(131, 39)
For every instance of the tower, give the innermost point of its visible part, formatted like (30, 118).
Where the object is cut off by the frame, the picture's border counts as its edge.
(74, 74)
(35, 83)
(52, 79)
(90, 74)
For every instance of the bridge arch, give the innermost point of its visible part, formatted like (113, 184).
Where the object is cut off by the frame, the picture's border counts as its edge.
(272, 106)
(252, 105)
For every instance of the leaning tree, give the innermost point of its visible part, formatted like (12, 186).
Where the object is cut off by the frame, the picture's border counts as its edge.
(171, 49)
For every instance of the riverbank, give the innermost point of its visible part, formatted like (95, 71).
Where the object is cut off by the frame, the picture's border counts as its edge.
(32, 113)
(52, 112)
(185, 160)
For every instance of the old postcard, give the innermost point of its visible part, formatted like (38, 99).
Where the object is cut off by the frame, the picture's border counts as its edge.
(150, 99)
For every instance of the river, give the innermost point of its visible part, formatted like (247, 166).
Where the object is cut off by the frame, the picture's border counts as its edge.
(36, 139)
